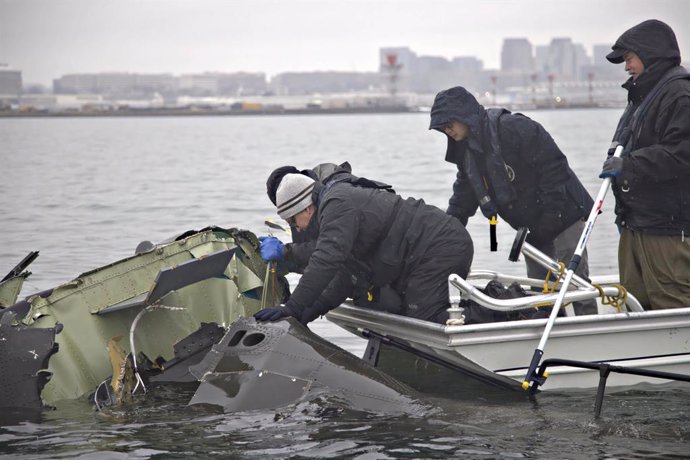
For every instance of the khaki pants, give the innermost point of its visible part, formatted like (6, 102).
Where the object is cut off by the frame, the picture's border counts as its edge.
(655, 269)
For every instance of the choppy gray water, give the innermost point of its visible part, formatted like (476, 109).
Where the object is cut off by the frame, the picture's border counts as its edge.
(86, 191)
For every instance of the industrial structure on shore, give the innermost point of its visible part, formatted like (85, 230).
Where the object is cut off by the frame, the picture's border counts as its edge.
(560, 74)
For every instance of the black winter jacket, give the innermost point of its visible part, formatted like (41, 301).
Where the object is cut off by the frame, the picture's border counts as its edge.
(653, 190)
(537, 189)
(385, 232)
(297, 253)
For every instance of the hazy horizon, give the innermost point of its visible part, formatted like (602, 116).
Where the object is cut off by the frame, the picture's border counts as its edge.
(49, 38)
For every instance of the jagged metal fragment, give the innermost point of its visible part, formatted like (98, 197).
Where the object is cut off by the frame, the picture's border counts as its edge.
(270, 365)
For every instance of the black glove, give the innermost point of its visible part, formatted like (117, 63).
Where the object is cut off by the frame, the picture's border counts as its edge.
(613, 167)
(273, 313)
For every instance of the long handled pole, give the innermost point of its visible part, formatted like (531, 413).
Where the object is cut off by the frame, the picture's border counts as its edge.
(532, 376)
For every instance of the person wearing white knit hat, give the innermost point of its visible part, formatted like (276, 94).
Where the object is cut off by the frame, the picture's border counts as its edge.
(293, 199)
(404, 245)
(294, 203)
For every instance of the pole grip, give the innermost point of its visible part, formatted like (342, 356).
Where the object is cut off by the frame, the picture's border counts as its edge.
(531, 372)
(492, 233)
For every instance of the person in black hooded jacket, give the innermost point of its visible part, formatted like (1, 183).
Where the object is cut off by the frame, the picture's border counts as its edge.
(651, 179)
(510, 167)
(293, 257)
(406, 244)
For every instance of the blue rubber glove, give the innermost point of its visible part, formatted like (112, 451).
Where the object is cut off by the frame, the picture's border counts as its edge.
(271, 249)
(613, 167)
(273, 314)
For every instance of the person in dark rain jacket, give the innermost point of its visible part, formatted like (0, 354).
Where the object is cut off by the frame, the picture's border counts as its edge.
(404, 243)
(651, 179)
(295, 256)
(510, 167)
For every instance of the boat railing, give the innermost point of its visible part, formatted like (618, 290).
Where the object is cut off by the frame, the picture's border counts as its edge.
(580, 288)
(467, 291)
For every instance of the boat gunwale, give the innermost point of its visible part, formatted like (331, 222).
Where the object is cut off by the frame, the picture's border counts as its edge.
(457, 335)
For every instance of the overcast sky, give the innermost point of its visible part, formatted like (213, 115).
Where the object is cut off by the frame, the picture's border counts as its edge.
(49, 38)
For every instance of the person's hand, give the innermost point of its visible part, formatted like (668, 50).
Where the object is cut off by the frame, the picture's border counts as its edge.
(613, 167)
(273, 314)
(271, 249)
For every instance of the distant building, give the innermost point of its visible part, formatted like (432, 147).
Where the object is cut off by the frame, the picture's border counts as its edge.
(76, 84)
(581, 60)
(147, 83)
(599, 53)
(120, 85)
(517, 55)
(295, 83)
(562, 59)
(242, 84)
(113, 84)
(428, 74)
(10, 86)
(467, 64)
(10, 81)
(205, 84)
(602, 68)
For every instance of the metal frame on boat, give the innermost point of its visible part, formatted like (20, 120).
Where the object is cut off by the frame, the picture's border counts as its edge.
(655, 340)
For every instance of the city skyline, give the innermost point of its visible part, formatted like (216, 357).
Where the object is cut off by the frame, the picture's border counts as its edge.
(46, 39)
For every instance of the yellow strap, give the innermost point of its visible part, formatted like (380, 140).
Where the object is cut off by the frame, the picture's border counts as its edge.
(616, 301)
(551, 289)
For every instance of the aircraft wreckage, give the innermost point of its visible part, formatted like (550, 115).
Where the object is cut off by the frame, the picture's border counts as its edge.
(177, 311)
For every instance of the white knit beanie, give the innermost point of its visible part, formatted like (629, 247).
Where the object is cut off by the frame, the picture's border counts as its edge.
(294, 194)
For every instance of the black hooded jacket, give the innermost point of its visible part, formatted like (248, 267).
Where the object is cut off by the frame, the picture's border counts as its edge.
(298, 252)
(653, 190)
(388, 234)
(508, 164)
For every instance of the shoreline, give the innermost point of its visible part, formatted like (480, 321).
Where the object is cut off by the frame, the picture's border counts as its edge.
(196, 112)
(184, 112)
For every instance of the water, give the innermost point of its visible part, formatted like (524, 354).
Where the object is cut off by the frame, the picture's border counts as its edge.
(86, 191)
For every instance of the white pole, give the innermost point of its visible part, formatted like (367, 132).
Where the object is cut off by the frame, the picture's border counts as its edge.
(574, 262)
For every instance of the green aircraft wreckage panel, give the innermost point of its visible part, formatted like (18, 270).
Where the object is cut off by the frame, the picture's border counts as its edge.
(10, 289)
(82, 361)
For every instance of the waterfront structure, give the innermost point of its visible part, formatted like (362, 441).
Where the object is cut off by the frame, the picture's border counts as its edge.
(10, 85)
(560, 73)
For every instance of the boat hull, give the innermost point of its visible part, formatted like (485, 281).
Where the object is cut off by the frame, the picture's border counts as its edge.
(654, 340)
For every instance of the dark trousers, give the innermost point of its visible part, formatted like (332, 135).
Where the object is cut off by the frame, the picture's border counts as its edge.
(425, 287)
(562, 249)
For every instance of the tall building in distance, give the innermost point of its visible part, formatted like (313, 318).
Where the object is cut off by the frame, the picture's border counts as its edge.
(10, 81)
(562, 59)
(10, 86)
(517, 55)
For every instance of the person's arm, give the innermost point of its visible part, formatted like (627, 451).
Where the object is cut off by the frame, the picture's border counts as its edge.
(462, 204)
(670, 158)
(339, 289)
(338, 226)
(296, 256)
